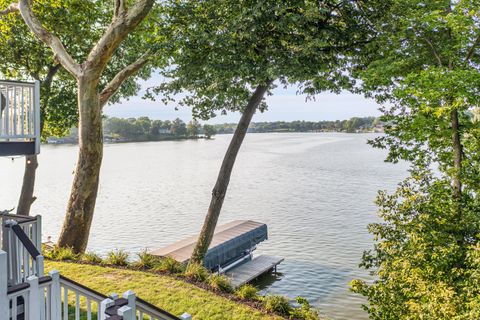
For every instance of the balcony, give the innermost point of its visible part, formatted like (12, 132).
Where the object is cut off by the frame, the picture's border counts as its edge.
(19, 118)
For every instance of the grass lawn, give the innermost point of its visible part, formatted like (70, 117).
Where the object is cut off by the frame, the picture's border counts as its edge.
(172, 295)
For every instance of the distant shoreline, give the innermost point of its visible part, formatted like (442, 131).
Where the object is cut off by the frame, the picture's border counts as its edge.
(108, 141)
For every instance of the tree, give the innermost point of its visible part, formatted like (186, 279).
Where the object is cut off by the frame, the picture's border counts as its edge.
(193, 128)
(144, 124)
(88, 76)
(209, 130)
(425, 63)
(228, 55)
(178, 128)
(156, 127)
(23, 58)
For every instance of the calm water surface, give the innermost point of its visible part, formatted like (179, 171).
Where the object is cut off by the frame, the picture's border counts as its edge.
(315, 192)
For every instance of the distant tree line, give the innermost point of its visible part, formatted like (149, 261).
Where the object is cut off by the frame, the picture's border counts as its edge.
(145, 129)
(356, 124)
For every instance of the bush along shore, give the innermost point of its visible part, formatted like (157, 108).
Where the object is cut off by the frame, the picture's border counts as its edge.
(272, 305)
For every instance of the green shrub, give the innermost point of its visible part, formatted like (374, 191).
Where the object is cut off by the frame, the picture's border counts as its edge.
(247, 291)
(61, 254)
(278, 304)
(117, 258)
(145, 260)
(168, 264)
(196, 272)
(48, 252)
(220, 283)
(305, 311)
(92, 257)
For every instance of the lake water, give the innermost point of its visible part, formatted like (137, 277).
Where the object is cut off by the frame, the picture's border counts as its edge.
(315, 192)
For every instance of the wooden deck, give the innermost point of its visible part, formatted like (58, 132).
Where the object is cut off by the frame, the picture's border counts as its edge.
(182, 250)
(252, 269)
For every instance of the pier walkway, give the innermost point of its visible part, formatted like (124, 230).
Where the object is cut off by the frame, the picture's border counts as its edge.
(252, 269)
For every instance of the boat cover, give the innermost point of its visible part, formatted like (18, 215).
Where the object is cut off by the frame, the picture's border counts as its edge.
(230, 242)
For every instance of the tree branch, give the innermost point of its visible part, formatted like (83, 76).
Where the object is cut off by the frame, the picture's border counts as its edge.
(115, 84)
(117, 31)
(49, 39)
(11, 8)
(435, 53)
(472, 49)
(120, 8)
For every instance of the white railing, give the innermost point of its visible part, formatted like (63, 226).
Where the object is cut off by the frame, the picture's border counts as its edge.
(35, 299)
(58, 298)
(38, 300)
(85, 303)
(24, 258)
(78, 300)
(32, 226)
(20, 111)
(25, 293)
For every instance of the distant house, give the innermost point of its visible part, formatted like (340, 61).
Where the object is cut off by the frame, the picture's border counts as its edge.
(164, 131)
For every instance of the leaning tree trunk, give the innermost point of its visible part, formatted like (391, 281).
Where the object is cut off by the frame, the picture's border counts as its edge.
(220, 189)
(78, 219)
(26, 195)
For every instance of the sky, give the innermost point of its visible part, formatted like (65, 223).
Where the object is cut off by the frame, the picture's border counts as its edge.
(284, 105)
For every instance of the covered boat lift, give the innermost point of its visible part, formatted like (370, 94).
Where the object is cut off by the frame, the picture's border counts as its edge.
(230, 251)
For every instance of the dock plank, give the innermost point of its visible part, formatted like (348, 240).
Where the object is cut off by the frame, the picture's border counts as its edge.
(250, 270)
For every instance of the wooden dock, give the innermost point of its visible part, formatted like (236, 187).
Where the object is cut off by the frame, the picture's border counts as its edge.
(252, 269)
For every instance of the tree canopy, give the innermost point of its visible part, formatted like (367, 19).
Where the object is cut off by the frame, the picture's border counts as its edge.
(424, 65)
(78, 24)
(223, 50)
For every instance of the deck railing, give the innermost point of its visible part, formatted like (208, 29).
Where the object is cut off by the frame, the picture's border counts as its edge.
(22, 242)
(32, 225)
(25, 293)
(85, 303)
(20, 111)
(34, 299)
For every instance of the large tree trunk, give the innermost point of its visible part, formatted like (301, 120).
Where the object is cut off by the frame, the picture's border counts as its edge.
(223, 179)
(457, 156)
(26, 195)
(78, 219)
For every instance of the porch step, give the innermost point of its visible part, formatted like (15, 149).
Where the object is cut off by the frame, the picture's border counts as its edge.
(115, 317)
